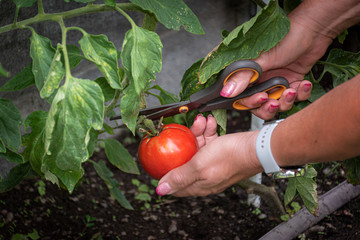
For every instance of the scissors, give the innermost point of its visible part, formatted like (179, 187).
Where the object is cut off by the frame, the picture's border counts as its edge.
(210, 98)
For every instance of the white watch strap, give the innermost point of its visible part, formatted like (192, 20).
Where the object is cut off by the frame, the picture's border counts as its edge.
(263, 148)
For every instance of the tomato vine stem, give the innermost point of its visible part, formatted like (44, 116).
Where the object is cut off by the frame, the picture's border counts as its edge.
(42, 17)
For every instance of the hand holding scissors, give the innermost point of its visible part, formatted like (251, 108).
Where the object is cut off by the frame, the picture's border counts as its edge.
(210, 99)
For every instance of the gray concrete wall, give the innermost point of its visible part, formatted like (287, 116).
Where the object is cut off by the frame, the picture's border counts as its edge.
(181, 49)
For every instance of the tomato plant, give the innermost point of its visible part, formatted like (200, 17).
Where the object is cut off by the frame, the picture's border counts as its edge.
(56, 141)
(173, 146)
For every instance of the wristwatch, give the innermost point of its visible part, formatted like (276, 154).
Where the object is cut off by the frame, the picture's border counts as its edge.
(266, 158)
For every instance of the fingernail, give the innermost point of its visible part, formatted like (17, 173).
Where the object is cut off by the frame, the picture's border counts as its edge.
(197, 116)
(163, 189)
(228, 89)
(209, 116)
(273, 108)
(263, 100)
(290, 97)
(307, 87)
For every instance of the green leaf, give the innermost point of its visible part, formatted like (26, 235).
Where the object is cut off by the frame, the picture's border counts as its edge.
(172, 14)
(102, 52)
(107, 90)
(35, 140)
(54, 77)
(119, 156)
(247, 41)
(10, 121)
(352, 169)
(110, 3)
(12, 156)
(342, 65)
(14, 177)
(130, 106)
(77, 108)
(47, 66)
(316, 92)
(74, 55)
(306, 187)
(290, 192)
(3, 72)
(190, 82)
(141, 57)
(111, 183)
(164, 96)
(221, 119)
(24, 3)
(20, 81)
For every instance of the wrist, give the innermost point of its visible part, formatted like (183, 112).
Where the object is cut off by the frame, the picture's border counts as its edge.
(327, 17)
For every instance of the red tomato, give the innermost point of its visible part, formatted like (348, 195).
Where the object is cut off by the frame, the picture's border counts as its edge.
(174, 146)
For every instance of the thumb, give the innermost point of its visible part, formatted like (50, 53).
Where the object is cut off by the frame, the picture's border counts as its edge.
(177, 179)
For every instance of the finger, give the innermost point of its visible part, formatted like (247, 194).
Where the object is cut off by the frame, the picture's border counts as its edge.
(287, 99)
(210, 130)
(178, 179)
(236, 83)
(198, 129)
(267, 110)
(304, 90)
(255, 100)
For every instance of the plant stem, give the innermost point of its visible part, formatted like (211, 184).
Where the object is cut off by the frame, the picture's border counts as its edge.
(64, 49)
(40, 8)
(16, 16)
(133, 24)
(260, 3)
(69, 14)
(112, 105)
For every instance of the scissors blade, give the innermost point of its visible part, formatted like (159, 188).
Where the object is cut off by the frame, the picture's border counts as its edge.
(181, 107)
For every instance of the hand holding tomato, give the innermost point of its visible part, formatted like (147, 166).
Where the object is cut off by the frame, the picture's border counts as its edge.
(220, 162)
(171, 148)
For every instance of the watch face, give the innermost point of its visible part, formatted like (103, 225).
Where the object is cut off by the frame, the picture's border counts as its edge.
(289, 172)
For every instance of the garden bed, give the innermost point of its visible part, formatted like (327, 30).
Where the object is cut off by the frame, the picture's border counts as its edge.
(90, 213)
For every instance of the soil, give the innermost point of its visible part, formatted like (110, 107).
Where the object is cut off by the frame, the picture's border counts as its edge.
(90, 213)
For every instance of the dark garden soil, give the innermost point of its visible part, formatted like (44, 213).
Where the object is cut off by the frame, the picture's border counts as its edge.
(89, 212)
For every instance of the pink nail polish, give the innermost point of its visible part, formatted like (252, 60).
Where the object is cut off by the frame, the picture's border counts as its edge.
(290, 96)
(307, 87)
(263, 100)
(163, 189)
(273, 108)
(228, 89)
(209, 116)
(197, 116)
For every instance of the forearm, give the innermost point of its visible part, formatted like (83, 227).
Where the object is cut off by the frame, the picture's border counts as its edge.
(328, 17)
(326, 130)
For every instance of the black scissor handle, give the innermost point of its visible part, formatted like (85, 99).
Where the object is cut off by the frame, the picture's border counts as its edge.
(214, 90)
(274, 87)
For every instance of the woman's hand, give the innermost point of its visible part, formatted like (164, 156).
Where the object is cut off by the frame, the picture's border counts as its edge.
(217, 165)
(292, 58)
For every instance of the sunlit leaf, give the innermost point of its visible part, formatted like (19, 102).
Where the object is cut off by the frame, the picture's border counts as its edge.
(77, 108)
(172, 14)
(98, 49)
(141, 57)
(119, 156)
(247, 41)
